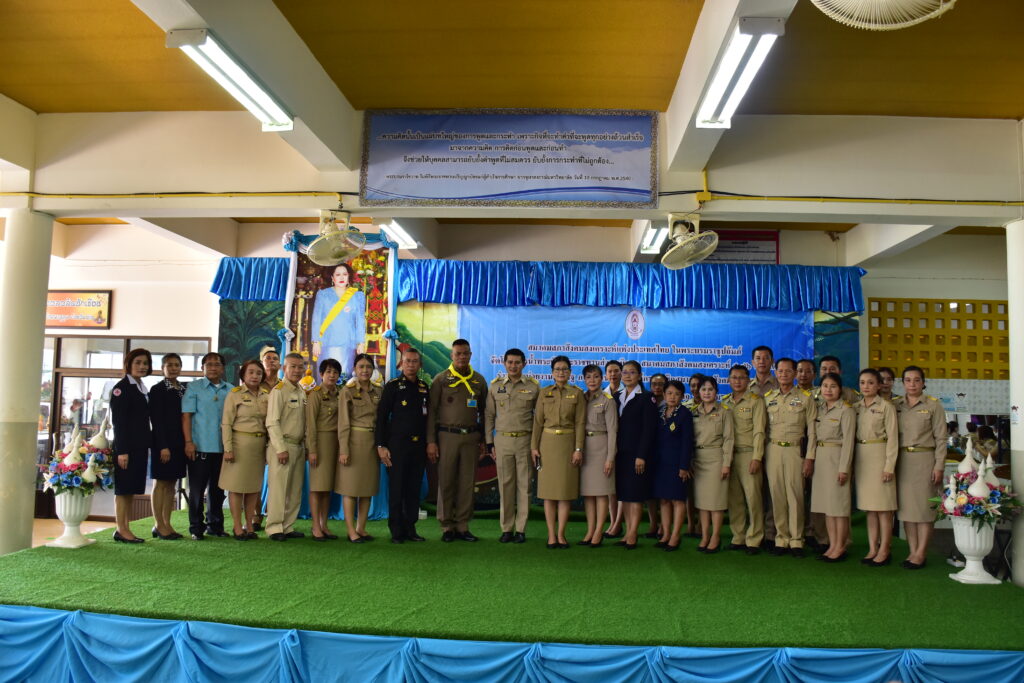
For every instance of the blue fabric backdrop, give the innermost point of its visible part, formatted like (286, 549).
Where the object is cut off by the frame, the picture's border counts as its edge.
(737, 287)
(51, 645)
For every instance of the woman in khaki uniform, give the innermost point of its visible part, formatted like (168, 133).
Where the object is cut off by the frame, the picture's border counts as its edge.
(559, 422)
(244, 434)
(596, 474)
(713, 432)
(875, 465)
(922, 459)
(358, 475)
(830, 493)
(322, 446)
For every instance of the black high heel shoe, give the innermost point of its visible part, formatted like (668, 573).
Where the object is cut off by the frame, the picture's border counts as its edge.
(121, 539)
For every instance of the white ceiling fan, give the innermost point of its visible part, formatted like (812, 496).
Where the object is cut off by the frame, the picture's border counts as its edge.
(883, 15)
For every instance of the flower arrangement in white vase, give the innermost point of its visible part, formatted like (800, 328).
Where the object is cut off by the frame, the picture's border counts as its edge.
(74, 473)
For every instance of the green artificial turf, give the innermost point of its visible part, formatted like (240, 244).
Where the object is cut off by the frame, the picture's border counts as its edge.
(491, 591)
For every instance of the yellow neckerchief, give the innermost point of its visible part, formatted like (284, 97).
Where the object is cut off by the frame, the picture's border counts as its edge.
(462, 379)
(336, 309)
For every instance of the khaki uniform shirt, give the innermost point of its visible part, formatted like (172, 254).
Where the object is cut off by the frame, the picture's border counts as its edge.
(923, 425)
(321, 414)
(286, 415)
(243, 412)
(791, 417)
(714, 430)
(564, 408)
(452, 405)
(762, 388)
(877, 422)
(356, 408)
(510, 406)
(838, 425)
(748, 421)
(603, 416)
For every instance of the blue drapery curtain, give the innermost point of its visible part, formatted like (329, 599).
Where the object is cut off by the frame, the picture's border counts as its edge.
(723, 286)
(739, 287)
(52, 645)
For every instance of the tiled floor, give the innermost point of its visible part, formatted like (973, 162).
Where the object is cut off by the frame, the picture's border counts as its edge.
(45, 530)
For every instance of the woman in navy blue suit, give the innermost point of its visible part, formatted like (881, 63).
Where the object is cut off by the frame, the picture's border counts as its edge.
(133, 437)
(167, 460)
(638, 424)
(671, 468)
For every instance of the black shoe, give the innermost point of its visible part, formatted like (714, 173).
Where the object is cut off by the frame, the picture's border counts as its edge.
(797, 553)
(357, 539)
(121, 539)
(241, 537)
(395, 540)
(779, 551)
(197, 537)
(811, 542)
(415, 538)
(365, 537)
(448, 536)
(660, 544)
(173, 536)
(319, 539)
(218, 534)
(252, 535)
(156, 534)
(468, 536)
(652, 534)
(506, 537)
(867, 560)
(618, 535)
(279, 537)
(331, 537)
(519, 537)
(736, 546)
(563, 546)
(701, 549)
(295, 534)
(712, 551)
(753, 550)
(631, 546)
(669, 548)
(907, 564)
(620, 543)
(256, 526)
(552, 546)
(832, 560)
(598, 544)
(883, 563)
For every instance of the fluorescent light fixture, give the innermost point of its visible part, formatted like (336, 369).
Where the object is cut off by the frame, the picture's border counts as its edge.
(654, 238)
(748, 47)
(200, 45)
(398, 234)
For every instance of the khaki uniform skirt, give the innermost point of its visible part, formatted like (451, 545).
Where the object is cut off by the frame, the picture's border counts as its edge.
(827, 496)
(872, 493)
(711, 492)
(914, 484)
(558, 478)
(361, 477)
(592, 479)
(245, 474)
(321, 477)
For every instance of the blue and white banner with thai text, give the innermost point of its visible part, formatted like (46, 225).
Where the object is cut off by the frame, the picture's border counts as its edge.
(510, 158)
(677, 342)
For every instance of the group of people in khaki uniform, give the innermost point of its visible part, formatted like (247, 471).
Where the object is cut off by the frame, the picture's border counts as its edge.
(786, 459)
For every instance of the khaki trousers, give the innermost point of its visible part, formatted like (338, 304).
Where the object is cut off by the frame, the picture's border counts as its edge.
(456, 475)
(745, 497)
(284, 489)
(512, 456)
(784, 467)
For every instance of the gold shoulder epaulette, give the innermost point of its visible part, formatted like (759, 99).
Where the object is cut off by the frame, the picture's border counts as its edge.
(236, 389)
(279, 384)
(607, 394)
(806, 393)
(318, 387)
(264, 390)
(932, 398)
(497, 378)
(351, 382)
(534, 380)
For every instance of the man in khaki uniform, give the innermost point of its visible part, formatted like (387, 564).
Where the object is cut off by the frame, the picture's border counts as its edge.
(791, 416)
(286, 457)
(508, 422)
(806, 373)
(832, 364)
(746, 507)
(454, 421)
(763, 381)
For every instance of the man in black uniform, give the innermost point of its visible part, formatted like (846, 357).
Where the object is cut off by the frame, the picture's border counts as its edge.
(402, 445)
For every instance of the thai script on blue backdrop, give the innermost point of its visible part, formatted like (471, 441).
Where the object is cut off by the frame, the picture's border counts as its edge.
(503, 158)
(677, 342)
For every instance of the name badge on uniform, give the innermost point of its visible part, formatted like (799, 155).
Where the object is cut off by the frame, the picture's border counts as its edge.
(471, 403)
(501, 390)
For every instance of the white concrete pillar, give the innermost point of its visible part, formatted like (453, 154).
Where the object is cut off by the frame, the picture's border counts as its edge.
(1015, 313)
(23, 283)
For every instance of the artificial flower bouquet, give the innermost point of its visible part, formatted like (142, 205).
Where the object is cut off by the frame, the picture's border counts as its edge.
(85, 467)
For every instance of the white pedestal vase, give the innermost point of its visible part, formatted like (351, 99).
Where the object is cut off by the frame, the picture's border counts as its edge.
(974, 543)
(72, 509)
